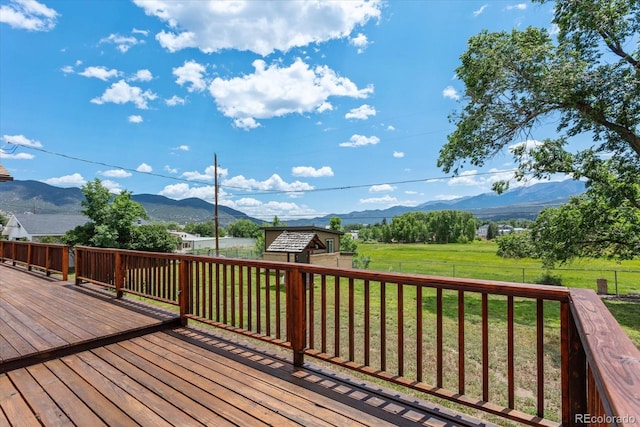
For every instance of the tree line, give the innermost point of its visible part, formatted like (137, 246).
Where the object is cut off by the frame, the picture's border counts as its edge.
(424, 227)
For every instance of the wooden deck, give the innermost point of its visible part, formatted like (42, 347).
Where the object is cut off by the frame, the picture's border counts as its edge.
(75, 356)
(42, 318)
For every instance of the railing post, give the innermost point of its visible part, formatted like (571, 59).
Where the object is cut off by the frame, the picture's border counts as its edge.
(29, 254)
(184, 290)
(119, 272)
(47, 260)
(296, 319)
(574, 368)
(78, 264)
(65, 263)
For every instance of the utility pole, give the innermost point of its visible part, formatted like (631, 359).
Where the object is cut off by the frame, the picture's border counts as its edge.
(215, 180)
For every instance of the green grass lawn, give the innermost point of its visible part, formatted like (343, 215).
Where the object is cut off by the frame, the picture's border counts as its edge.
(478, 260)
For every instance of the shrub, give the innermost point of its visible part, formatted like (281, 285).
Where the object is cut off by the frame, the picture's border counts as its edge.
(549, 279)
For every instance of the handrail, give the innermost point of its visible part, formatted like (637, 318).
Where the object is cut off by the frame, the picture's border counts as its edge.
(612, 363)
(377, 323)
(52, 258)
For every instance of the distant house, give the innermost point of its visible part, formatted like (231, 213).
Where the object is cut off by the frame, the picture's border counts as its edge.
(309, 245)
(483, 231)
(34, 227)
(4, 174)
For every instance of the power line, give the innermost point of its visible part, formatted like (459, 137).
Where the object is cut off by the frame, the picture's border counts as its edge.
(252, 192)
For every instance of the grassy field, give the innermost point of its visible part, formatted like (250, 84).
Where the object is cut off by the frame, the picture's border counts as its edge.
(479, 260)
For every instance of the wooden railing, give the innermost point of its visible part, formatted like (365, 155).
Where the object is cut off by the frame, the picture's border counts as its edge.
(50, 258)
(535, 354)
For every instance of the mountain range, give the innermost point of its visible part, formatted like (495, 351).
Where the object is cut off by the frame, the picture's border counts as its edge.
(522, 202)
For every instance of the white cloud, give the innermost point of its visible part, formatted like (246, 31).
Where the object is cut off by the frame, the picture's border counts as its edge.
(112, 186)
(15, 156)
(28, 15)
(100, 72)
(143, 75)
(360, 141)
(208, 174)
(246, 123)
(137, 31)
(391, 128)
(212, 26)
(451, 93)
(191, 73)
(473, 178)
(360, 41)
(135, 119)
(171, 170)
(381, 188)
(175, 100)
(182, 148)
(274, 91)
(74, 180)
(21, 140)
(115, 173)
(273, 183)
(121, 93)
(361, 113)
(519, 6)
(266, 211)
(479, 11)
(385, 200)
(67, 69)
(311, 172)
(398, 154)
(175, 42)
(524, 146)
(183, 191)
(123, 43)
(144, 168)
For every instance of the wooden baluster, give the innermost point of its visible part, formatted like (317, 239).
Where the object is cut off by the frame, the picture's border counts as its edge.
(439, 361)
(367, 323)
(461, 379)
(485, 347)
(400, 291)
(510, 354)
(540, 354)
(419, 333)
(351, 321)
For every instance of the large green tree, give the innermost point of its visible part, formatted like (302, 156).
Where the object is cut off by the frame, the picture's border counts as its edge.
(244, 228)
(113, 223)
(586, 79)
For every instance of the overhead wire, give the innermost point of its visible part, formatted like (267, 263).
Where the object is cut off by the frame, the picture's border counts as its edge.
(254, 192)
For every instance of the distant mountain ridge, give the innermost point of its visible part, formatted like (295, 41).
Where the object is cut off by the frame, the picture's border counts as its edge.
(517, 203)
(522, 202)
(38, 197)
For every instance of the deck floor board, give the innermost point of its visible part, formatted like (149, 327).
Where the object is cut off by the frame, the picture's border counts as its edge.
(169, 375)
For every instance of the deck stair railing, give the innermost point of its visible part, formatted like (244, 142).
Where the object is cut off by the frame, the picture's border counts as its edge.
(50, 258)
(535, 354)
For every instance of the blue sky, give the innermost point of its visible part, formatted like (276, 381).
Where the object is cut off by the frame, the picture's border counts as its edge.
(312, 107)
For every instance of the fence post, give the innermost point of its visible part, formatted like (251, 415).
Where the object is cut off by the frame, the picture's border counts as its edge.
(184, 290)
(296, 321)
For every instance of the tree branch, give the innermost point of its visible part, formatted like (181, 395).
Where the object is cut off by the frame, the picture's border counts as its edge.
(599, 117)
(617, 49)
